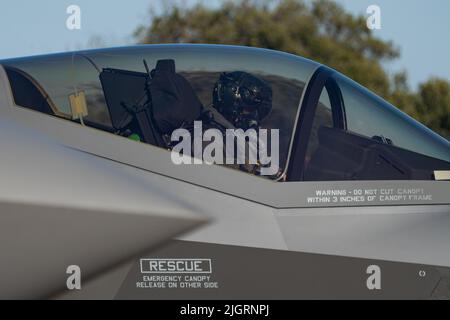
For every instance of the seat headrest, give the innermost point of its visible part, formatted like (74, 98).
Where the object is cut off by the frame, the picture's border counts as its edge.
(167, 65)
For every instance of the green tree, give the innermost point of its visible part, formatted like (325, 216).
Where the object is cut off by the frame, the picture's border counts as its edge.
(321, 30)
(433, 105)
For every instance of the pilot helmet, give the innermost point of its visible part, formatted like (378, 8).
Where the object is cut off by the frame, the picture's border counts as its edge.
(242, 98)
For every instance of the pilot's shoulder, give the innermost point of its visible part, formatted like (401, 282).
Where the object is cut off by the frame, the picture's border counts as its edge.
(211, 118)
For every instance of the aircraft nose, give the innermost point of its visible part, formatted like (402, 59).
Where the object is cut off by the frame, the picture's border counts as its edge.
(60, 206)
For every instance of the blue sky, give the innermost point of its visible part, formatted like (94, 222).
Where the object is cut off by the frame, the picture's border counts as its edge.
(420, 28)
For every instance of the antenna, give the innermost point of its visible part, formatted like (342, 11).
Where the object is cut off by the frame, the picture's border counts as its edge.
(146, 68)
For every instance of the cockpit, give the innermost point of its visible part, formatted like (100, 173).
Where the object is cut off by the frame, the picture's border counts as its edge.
(330, 128)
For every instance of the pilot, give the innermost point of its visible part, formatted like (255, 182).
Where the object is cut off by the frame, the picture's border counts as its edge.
(243, 99)
(240, 101)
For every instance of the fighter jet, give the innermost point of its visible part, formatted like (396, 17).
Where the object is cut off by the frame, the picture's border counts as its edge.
(88, 176)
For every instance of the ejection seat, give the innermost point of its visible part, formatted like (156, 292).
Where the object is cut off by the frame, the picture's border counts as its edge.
(152, 103)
